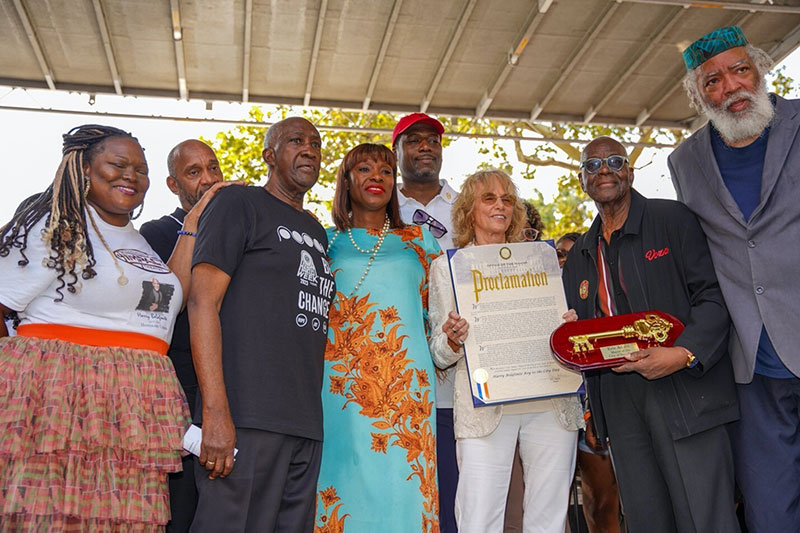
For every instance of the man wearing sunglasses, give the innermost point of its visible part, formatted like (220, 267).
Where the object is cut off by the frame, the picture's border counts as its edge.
(427, 200)
(664, 410)
(739, 175)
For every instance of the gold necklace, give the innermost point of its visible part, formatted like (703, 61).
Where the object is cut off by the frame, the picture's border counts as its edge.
(121, 280)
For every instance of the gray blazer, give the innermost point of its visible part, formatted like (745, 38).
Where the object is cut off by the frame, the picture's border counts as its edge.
(757, 261)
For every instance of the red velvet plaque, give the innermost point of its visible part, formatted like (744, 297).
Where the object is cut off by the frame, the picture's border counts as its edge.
(604, 342)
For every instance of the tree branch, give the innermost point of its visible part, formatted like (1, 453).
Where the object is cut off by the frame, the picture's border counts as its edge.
(531, 160)
(646, 135)
(557, 131)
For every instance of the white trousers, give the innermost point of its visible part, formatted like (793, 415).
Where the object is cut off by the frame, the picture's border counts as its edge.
(484, 470)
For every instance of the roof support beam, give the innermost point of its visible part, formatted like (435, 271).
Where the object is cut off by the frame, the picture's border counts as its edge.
(647, 112)
(177, 38)
(321, 127)
(47, 72)
(779, 52)
(312, 65)
(387, 38)
(534, 19)
(737, 6)
(104, 34)
(643, 53)
(445, 60)
(248, 36)
(587, 42)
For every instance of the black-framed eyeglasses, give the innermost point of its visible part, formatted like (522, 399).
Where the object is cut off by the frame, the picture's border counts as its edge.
(530, 234)
(613, 162)
(421, 217)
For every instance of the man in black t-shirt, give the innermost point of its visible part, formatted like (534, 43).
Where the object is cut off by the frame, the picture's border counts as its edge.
(193, 170)
(258, 309)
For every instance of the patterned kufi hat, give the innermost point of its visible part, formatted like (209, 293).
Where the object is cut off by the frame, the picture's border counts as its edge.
(712, 44)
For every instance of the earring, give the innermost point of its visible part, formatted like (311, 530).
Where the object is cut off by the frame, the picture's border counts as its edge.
(137, 215)
(87, 186)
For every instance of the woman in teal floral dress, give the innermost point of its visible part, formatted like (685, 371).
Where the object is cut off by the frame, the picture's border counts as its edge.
(378, 468)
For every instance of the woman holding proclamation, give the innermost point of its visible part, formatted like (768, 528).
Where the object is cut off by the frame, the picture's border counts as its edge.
(489, 211)
(378, 468)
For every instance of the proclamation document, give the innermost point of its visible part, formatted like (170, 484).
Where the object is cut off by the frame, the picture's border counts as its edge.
(512, 297)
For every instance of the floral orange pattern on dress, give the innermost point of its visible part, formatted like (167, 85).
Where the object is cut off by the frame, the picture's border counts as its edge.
(371, 364)
(330, 521)
(408, 235)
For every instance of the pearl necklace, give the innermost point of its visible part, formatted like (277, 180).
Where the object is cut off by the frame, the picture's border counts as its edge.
(373, 252)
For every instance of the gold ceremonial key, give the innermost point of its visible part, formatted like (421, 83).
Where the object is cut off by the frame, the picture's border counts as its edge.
(651, 327)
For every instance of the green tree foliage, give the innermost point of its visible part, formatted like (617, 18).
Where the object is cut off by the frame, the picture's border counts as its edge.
(783, 84)
(570, 209)
(239, 151)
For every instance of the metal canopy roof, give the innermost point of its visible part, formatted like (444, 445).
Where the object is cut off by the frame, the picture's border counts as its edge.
(600, 61)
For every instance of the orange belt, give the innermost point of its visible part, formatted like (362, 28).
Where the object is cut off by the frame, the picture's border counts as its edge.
(94, 337)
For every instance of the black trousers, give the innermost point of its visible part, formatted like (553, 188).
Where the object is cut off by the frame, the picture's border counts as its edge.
(182, 489)
(666, 485)
(182, 497)
(273, 486)
(447, 467)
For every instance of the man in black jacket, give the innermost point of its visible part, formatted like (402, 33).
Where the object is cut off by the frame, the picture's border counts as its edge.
(193, 170)
(664, 411)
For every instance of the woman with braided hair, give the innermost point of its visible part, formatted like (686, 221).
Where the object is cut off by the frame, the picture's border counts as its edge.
(91, 413)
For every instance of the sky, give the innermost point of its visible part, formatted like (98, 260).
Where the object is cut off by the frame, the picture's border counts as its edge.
(30, 144)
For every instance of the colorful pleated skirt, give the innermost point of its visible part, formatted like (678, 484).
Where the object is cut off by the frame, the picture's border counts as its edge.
(88, 435)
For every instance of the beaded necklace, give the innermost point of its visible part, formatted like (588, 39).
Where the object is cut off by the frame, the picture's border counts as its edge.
(122, 279)
(373, 252)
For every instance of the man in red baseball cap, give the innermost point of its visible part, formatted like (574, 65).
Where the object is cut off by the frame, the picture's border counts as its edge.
(417, 143)
(427, 200)
(409, 120)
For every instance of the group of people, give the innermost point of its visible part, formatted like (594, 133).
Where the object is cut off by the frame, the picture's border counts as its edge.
(326, 367)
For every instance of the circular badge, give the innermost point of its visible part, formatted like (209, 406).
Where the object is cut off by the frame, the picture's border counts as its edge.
(480, 376)
(583, 292)
(284, 233)
(505, 252)
(141, 260)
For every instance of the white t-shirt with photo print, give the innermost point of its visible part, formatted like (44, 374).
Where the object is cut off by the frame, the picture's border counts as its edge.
(148, 303)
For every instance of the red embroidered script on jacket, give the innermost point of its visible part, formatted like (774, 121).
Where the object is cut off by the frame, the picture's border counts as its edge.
(655, 254)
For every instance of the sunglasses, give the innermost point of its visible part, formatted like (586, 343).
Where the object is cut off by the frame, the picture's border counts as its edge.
(562, 254)
(420, 217)
(613, 162)
(530, 234)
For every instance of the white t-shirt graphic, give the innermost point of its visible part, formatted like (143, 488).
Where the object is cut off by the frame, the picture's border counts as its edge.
(147, 304)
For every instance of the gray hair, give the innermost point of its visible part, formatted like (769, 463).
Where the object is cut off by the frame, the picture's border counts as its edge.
(268, 136)
(761, 60)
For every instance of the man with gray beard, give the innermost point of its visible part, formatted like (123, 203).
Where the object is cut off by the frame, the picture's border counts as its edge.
(739, 174)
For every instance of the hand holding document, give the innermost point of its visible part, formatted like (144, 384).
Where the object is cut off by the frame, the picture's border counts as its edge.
(513, 299)
(194, 438)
